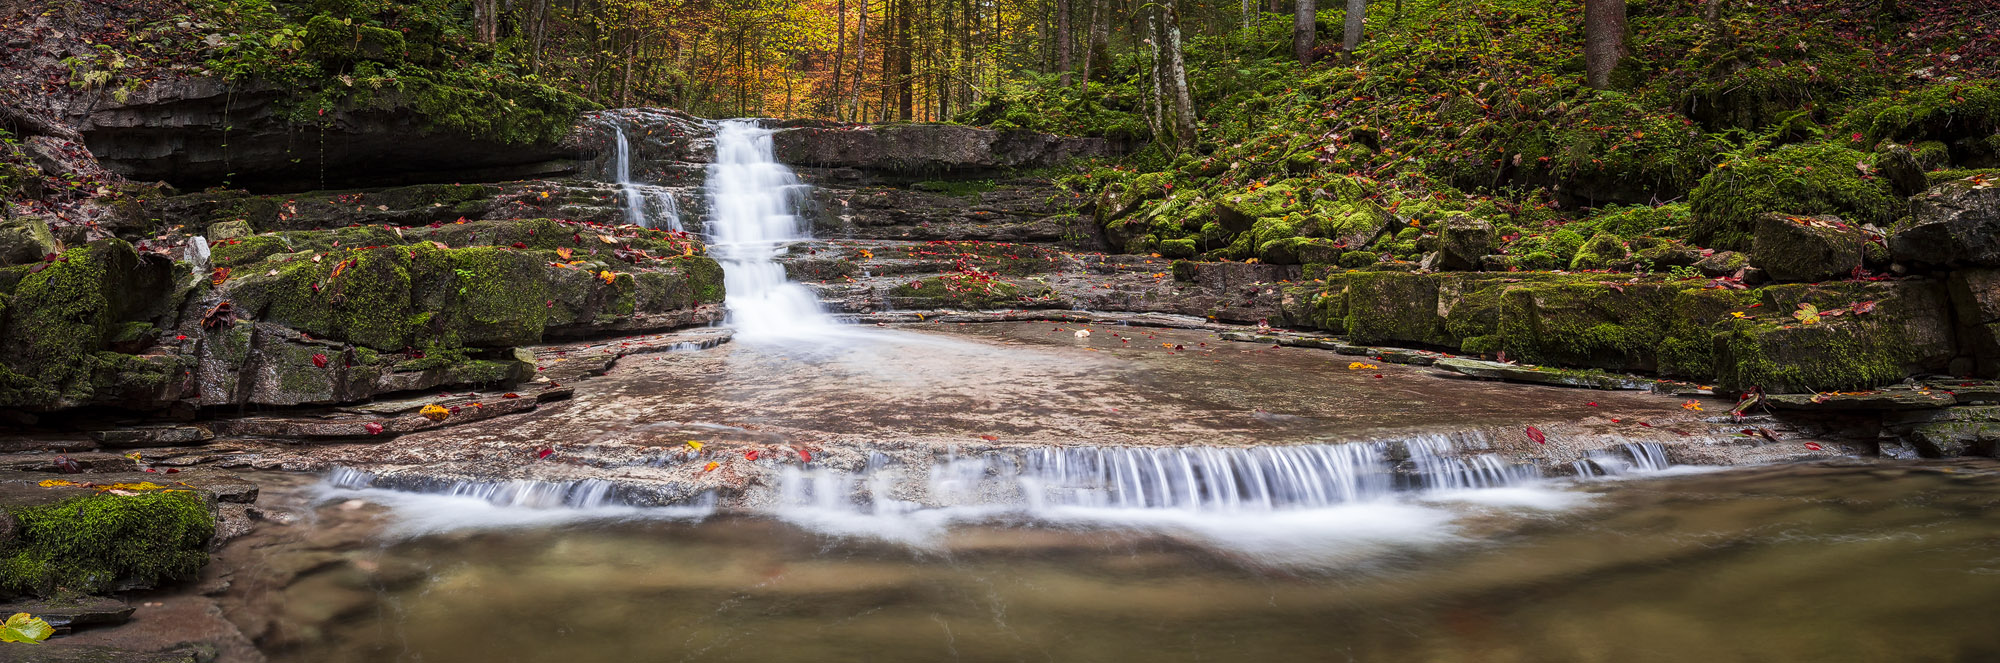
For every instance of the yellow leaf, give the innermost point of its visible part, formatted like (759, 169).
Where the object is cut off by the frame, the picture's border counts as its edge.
(694, 445)
(1361, 365)
(52, 483)
(434, 413)
(711, 466)
(607, 276)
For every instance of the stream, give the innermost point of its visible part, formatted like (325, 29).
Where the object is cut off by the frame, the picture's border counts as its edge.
(1029, 491)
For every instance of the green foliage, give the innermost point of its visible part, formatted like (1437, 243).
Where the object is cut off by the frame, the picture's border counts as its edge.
(98, 543)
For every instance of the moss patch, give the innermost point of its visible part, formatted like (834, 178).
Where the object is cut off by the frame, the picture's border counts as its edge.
(99, 543)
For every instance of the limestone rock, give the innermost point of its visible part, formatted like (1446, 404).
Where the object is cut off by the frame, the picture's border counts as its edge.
(1464, 242)
(1953, 224)
(1799, 248)
(1494, 370)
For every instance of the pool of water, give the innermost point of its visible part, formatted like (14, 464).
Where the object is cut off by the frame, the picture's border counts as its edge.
(1841, 561)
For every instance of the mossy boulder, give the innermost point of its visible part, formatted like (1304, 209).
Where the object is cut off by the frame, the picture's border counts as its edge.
(25, 239)
(1801, 180)
(62, 314)
(1806, 248)
(1465, 242)
(1601, 251)
(1386, 307)
(1239, 210)
(72, 540)
(1299, 251)
(340, 40)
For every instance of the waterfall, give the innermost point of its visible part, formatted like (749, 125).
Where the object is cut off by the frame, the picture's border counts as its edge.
(752, 217)
(635, 202)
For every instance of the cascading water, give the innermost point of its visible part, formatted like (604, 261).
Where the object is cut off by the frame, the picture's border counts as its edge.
(634, 193)
(753, 215)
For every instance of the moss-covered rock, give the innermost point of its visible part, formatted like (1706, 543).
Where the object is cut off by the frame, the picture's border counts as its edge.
(1956, 223)
(63, 313)
(1804, 248)
(1465, 242)
(1798, 180)
(95, 543)
(1907, 329)
(25, 239)
(1601, 251)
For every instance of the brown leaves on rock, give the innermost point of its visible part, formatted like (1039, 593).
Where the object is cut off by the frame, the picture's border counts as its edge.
(219, 276)
(221, 315)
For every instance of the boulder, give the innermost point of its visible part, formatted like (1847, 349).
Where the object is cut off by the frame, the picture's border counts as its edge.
(1801, 248)
(1722, 263)
(1906, 329)
(1464, 242)
(1954, 224)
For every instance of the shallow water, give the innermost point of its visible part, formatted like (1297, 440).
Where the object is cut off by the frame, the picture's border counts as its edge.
(1830, 562)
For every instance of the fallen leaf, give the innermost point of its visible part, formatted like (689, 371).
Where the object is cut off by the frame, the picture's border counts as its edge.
(434, 413)
(1813, 446)
(694, 445)
(750, 455)
(1536, 435)
(711, 466)
(25, 628)
(319, 360)
(373, 428)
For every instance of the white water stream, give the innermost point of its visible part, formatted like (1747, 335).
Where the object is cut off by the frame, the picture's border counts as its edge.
(753, 216)
(668, 215)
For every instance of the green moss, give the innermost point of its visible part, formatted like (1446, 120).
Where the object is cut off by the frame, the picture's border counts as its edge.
(1802, 180)
(1601, 251)
(1393, 307)
(1177, 248)
(1939, 113)
(58, 317)
(99, 543)
(248, 250)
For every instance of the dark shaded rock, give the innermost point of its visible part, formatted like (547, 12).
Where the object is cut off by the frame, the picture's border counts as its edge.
(60, 652)
(196, 133)
(1800, 248)
(1722, 263)
(1975, 296)
(1949, 432)
(1464, 242)
(153, 436)
(1898, 165)
(1956, 223)
(25, 239)
(920, 149)
(74, 612)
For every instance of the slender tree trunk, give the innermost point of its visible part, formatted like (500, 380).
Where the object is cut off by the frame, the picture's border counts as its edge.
(905, 86)
(860, 62)
(1357, 15)
(1277, 7)
(1249, 14)
(486, 21)
(839, 57)
(1156, 118)
(1096, 50)
(886, 85)
(1063, 62)
(1603, 40)
(1176, 75)
(1303, 31)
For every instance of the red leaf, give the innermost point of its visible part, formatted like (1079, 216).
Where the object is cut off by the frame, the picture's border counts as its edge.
(750, 455)
(1536, 435)
(1813, 446)
(373, 428)
(805, 456)
(1645, 424)
(510, 395)
(988, 438)
(319, 360)
(543, 453)
(1592, 404)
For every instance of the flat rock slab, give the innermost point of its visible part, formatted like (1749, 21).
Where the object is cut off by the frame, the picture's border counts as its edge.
(73, 613)
(56, 652)
(355, 429)
(88, 461)
(153, 436)
(1874, 400)
(1493, 370)
(24, 488)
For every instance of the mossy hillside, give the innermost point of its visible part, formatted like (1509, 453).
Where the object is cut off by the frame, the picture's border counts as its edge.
(1957, 117)
(101, 543)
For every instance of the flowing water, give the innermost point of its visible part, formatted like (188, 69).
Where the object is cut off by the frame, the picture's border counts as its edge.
(665, 211)
(1830, 562)
(1168, 500)
(753, 207)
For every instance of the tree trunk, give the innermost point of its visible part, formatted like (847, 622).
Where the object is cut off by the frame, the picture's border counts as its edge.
(857, 112)
(1097, 49)
(1603, 40)
(839, 57)
(1302, 30)
(1357, 15)
(486, 21)
(1155, 118)
(1176, 75)
(905, 87)
(1063, 61)
(1249, 14)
